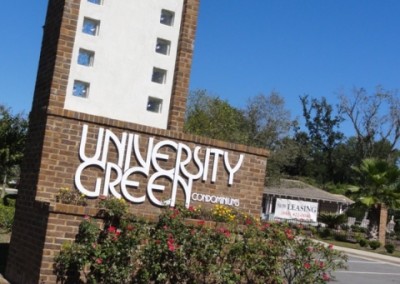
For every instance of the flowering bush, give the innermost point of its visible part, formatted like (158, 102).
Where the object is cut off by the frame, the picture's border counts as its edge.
(172, 250)
(106, 255)
(68, 196)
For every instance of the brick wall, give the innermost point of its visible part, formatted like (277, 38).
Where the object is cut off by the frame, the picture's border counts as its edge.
(52, 153)
(48, 227)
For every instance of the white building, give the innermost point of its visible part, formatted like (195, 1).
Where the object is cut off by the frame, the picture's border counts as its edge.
(124, 59)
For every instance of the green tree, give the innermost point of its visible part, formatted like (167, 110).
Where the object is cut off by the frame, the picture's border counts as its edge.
(269, 126)
(322, 125)
(209, 116)
(378, 187)
(268, 120)
(13, 129)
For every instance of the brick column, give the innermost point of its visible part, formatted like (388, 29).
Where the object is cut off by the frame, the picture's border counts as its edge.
(183, 65)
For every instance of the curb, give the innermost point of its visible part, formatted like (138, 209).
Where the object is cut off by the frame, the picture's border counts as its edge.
(367, 254)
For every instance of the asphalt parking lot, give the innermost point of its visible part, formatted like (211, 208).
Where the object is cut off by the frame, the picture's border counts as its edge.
(367, 270)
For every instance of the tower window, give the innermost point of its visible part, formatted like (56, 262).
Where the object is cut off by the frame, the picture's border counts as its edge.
(81, 89)
(85, 57)
(159, 75)
(98, 2)
(91, 27)
(167, 17)
(154, 105)
(163, 46)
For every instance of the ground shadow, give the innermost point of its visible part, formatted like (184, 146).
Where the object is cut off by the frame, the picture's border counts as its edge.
(3, 256)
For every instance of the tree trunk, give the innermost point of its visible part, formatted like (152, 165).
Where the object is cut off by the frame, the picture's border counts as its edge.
(383, 214)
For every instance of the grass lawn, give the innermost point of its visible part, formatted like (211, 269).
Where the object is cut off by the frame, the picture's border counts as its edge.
(380, 250)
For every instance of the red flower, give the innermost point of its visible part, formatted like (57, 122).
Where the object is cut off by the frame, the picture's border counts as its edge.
(266, 226)
(326, 277)
(224, 231)
(99, 260)
(289, 234)
(112, 229)
(176, 213)
(248, 221)
(191, 208)
(130, 227)
(201, 222)
(171, 243)
(321, 264)
(307, 265)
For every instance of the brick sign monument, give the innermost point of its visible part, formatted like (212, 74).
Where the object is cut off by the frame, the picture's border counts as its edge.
(107, 119)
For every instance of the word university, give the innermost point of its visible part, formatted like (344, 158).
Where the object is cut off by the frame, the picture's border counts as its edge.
(152, 165)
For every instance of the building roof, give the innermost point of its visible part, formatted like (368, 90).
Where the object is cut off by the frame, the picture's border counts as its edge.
(299, 190)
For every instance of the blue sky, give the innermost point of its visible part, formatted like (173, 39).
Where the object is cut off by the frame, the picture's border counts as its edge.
(247, 47)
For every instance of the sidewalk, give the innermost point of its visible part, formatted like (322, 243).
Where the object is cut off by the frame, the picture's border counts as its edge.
(2, 280)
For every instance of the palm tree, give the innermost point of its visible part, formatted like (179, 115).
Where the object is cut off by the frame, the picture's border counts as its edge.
(379, 189)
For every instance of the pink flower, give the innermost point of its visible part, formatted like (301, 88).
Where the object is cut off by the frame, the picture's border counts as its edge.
(310, 249)
(99, 260)
(330, 246)
(307, 265)
(86, 217)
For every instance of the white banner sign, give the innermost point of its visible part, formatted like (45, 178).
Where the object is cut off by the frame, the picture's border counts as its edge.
(296, 209)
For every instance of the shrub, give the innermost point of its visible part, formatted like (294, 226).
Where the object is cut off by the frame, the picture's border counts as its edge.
(374, 244)
(332, 220)
(358, 229)
(7, 216)
(390, 248)
(325, 233)
(175, 251)
(341, 237)
(363, 242)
